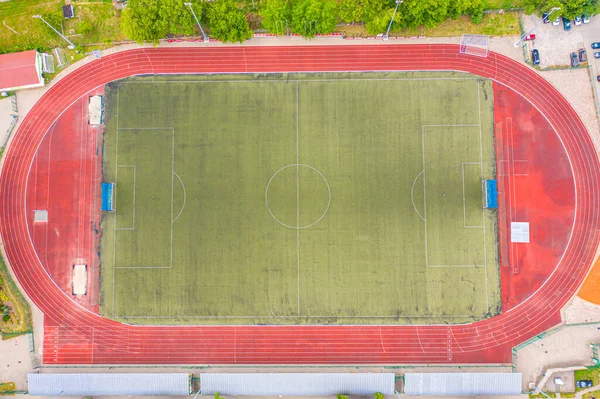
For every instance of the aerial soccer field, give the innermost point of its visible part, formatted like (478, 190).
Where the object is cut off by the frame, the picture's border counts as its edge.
(299, 199)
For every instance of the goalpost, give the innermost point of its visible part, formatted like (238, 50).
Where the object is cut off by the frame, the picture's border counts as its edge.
(477, 45)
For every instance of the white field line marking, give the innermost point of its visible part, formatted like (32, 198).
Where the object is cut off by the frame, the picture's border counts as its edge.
(48, 190)
(515, 161)
(115, 199)
(464, 199)
(298, 191)
(145, 128)
(172, 189)
(308, 225)
(425, 194)
(238, 81)
(172, 192)
(515, 246)
(184, 196)
(82, 165)
(412, 195)
(381, 340)
(303, 80)
(135, 179)
(485, 267)
(270, 316)
(134, 203)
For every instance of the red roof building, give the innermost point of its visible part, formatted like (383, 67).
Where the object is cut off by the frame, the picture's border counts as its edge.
(21, 70)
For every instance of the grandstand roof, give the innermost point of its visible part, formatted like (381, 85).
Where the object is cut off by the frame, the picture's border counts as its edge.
(20, 70)
(114, 384)
(297, 384)
(462, 384)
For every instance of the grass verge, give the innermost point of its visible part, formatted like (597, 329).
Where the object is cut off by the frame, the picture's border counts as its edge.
(493, 25)
(19, 316)
(588, 374)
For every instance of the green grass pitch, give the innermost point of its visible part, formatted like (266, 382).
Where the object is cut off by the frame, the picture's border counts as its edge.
(299, 199)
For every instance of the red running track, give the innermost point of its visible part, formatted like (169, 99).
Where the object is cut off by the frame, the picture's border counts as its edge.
(81, 337)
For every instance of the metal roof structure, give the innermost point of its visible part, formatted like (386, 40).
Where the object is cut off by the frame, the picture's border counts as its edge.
(296, 384)
(462, 384)
(21, 70)
(114, 384)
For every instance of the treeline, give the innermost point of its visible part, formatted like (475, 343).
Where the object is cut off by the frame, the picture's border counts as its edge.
(151, 20)
(568, 8)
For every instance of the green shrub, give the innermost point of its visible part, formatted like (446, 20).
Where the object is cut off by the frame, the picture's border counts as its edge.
(85, 27)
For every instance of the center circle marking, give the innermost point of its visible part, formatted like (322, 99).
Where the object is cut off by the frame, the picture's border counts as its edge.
(296, 165)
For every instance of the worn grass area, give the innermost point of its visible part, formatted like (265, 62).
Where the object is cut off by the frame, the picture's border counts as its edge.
(19, 322)
(32, 33)
(588, 374)
(589, 395)
(543, 395)
(493, 25)
(300, 199)
(104, 20)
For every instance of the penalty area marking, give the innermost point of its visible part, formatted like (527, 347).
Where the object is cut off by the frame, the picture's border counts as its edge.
(133, 210)
(425, 195)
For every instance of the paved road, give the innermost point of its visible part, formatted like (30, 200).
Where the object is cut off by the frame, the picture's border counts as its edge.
(579, 394)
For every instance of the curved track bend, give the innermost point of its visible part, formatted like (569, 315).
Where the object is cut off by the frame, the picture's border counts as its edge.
(93, 339)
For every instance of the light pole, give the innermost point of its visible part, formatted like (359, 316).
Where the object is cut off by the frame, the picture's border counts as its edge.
(198, 22)
(387, 33)
(71, 45)
(536, 25)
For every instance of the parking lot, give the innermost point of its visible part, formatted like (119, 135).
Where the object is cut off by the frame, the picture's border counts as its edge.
(554, 43)
(555, 46)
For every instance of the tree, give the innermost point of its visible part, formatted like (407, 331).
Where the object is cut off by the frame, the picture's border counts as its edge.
(351, 11)
(84, 27)
(340, 396)
(227, 23)
(428, 13)
(53, 19)
(475, 10)
(374, 8)
(277, 15)
(572, 8)
(379, 395)
(217, 396)
(591, 7)
(150, 20)
(379, 23)
(310, 17)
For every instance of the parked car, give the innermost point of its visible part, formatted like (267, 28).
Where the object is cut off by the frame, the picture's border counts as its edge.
(586, 18)
(556, 22)
(530, 37)
(597, 54)
(545, 16)
(535, 57)
(577, 20)
(596, 45)
(574, 60)
(582, 55)
(584, 383)
(566, 24)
